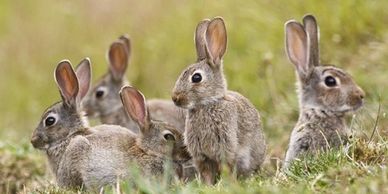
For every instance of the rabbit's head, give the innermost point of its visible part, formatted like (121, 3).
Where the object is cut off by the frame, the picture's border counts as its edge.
(203, 82)
(103, 99)
(156, 136)
(64, 118)
(323, 87)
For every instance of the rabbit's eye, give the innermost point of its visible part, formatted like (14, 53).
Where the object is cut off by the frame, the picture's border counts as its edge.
(99, 93)
(49, 121)
(168, 136)
(330, 81)
(196, 78)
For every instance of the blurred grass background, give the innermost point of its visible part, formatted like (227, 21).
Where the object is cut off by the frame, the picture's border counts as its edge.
(36, 34)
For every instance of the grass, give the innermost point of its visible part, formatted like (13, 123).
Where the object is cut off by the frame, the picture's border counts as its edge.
(36, 34)
(357, 168)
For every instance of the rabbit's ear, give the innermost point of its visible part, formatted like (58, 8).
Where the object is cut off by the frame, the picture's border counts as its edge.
(84, 73)
(297, 47)
(216, 41)
(67, 83)
(311, 27)
(200, 42)
(118, 59)
(125, 39)
(135, 106)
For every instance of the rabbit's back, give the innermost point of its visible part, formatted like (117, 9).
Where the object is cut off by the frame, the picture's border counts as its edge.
(108, 158)
(252, 145)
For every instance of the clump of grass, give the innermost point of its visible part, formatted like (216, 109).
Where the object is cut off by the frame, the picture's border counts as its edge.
(18, 167)
(342, 167)
(370, 153)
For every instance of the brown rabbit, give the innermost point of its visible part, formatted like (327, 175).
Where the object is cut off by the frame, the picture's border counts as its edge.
(104, 101)
(92, 157)
(221, 125)
(326, 93)
(155, 136)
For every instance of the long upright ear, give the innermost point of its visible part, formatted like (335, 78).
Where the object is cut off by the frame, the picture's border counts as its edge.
(311, 27)
(84, 73)
(297, 47)
(67, 83)
(200, 41)
(216, 41)
(118, 59)
(125, 39)
(135, 106)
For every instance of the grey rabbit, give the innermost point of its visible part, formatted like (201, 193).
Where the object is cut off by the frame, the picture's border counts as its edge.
(92, 157)
(103, 100)
(326, 93)
(221, 125)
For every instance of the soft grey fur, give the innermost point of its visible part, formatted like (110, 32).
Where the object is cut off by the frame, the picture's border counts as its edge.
(221, 125)
(81, 156)
(321, 124)
(109, 108)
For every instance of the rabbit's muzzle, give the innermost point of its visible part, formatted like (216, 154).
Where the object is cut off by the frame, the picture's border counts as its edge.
(38, 141)
(356, 100)
(179, 99)
(180, 154)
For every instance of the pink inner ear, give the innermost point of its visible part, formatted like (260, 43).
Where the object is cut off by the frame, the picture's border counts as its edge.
(216, 38)
(298, 48)
(67, 81)
(83, 72)
(118, 58)
(297, 45)
(135, 105)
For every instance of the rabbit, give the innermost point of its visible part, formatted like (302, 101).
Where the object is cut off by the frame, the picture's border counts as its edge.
(221, 125)
(326, 93)
(155, 136)
(92, 157)
(103, 100)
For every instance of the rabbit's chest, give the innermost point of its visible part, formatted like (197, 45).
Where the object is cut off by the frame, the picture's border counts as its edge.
(322, 136)
(212, 132)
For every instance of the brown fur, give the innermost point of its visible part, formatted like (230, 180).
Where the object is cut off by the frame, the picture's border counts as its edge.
(321, 124)
(108, 107)
(81, 156)
(221, 125)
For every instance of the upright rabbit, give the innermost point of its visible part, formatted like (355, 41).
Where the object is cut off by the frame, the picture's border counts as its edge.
(104, 101)
(326, 93)
(93, 157)
(221, 125)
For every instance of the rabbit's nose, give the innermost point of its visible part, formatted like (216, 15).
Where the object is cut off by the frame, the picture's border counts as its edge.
(360, 93)
(179, 99)
(176, 98)
(35, 139)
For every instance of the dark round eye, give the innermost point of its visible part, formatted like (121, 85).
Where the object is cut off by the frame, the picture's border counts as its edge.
(330, 81)
(169, 137)
(49, 121)
(99, 93)
(196, 78)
